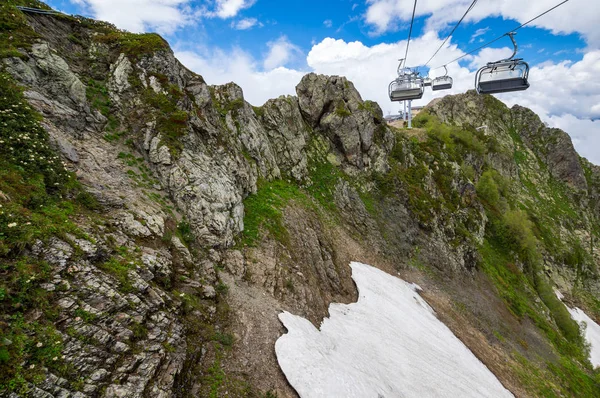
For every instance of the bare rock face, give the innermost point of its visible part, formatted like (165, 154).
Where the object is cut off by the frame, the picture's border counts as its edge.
(332, 106)
(288, 134)
(59, 93)
(119, 80)
(62, 80)
(241, 121)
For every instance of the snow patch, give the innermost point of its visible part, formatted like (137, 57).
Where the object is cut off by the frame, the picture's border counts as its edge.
(592, 333)
(592, 330)
(388, 344)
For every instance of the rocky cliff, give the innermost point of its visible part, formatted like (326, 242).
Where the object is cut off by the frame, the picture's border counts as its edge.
(153, 226)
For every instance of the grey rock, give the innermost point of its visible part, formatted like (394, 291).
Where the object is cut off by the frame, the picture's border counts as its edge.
(59, 72)
(234, 263)
(66, 148)
(209, 292)
(288, 134)
(132, 226)
(118, 82)
(182, 250)
(99, 375)
(332, 106)
(57, 253)
(158, 153)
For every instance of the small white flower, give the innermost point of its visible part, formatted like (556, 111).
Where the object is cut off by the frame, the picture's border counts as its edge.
(55, 358)
(31, 366)
(12, 225)
(182, 294)
(78, 319)
(38, 345)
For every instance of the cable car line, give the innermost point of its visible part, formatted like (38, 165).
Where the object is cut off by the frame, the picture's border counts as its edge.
(410, 31)
(505, 34)
(451, 33)
(409, 84)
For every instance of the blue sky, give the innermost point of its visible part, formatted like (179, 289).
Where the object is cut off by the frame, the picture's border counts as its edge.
(266, 46)
(307, 22)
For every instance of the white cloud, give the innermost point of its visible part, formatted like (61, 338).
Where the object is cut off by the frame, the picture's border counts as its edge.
(328, 23)
(230, 8)
(479, 32)
(575, 16)
(164, 16)
(244, 24)
(281, 52)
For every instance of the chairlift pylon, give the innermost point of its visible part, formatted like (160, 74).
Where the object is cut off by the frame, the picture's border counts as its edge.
(503, 76)
(407, 86)
(442, 82)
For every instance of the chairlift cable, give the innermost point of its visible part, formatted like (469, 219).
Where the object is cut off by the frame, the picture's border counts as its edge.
(505, 34)
(453, 30)
(410, 31)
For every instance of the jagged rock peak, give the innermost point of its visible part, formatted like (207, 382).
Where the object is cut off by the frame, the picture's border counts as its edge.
(333, 106)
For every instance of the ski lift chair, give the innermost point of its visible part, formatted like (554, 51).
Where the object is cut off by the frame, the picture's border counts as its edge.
(503, 76)
(442, 82)
(405, 89)
(407, 86)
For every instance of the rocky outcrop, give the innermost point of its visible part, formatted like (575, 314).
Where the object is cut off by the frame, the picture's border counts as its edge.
(288, 133)
(333, 107)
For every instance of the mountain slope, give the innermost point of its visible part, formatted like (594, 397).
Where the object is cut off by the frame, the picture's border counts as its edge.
(157, 262)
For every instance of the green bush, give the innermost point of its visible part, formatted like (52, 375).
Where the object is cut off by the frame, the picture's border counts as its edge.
(487, 189)
(15, 32)
(422, 119)
(170, 120)
(519, 229)
(97, 95)
(185, 232)
(560, 314)
(87, 200)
